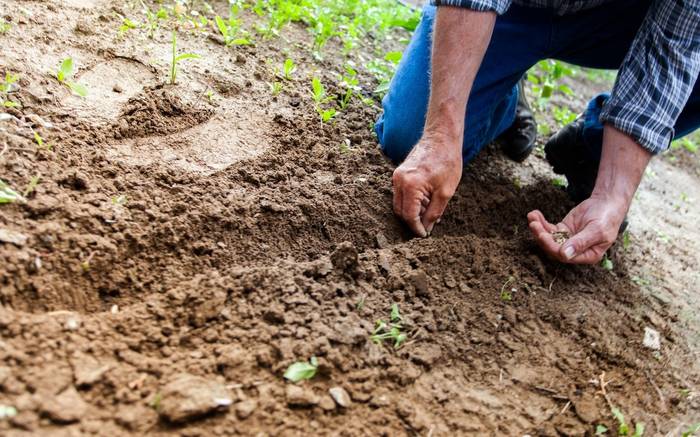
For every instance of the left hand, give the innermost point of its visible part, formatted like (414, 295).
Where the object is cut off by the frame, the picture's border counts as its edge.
(592, 226)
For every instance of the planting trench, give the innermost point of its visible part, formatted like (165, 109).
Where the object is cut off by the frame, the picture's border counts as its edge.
(249, 239)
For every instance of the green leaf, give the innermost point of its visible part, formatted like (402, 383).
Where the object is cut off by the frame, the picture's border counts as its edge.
(393, 57)
(318, 89)
(301, 370)
(223, 28)
(690, 432)
(546, 91)
(241, 42)
(600, 430)
(179, 58)
(607, 264)
(65, 71)
(395, 314)
(78, 88)
(638, 430)
(7, 194)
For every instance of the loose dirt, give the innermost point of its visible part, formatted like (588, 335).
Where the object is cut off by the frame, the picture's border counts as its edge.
(181, 251)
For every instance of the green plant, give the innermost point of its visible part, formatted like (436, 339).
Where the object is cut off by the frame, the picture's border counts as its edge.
(153, 18)
(390, 331)
(126, 26)
(276, 87)
(8, 195)
(177, 58)
(351, 84)
(6, 87)
(119, 200)
(301, 370)
(563, 116)
(33, 182)
(626, 239)
(40, 142)
(65, 73)
(606, 263)
(688, 144)
(507, 295)
(601, 430)
(320, 98)
(155, 401)
(4, 26)
(545, 78)
(623, 428)
(559, 182)
(288, 68)
(692, 430)
(230, 29)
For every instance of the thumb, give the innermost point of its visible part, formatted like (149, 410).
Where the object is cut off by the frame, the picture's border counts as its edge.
(580, 243)
(437, 205)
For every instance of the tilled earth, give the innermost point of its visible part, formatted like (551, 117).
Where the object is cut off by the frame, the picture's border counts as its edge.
(183, 250)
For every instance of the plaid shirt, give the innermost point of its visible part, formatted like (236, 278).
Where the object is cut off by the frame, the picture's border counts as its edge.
(657, 75)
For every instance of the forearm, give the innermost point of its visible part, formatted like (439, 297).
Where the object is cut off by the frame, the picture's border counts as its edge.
(460, 39)
(622, 166)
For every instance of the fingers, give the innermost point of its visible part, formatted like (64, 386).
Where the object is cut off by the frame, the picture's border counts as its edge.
(411, 212)
(544, 239)
(437, 205)
(537, 216)
(587, 246)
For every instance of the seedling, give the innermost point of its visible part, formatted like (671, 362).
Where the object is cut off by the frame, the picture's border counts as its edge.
(5, 88)
(119, 200)
(8, 195)
(626, 239)
(351, 83)
(320, 97)
(65, 73)
(126, 26)
(606, 263)
(276, 87)
(153, 18)
(623, 428)
(288, 68)
(33, 182)
(559, 182)
(177, 58)
(155, 402)
(327, 114)
(507, 295)
(230, 30)
(4, 26)
(391, 330)
(601, 430)
(40, 142)
(692, 430)
(302, 370)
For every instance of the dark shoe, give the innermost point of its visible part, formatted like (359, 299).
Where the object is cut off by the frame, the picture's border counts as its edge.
(518, 141)
(566, 151)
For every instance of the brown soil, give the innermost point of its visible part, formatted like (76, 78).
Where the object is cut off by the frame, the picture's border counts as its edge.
(249, 239)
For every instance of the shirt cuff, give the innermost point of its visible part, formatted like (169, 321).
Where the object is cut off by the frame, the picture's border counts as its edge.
(497, 6)
(639, 123)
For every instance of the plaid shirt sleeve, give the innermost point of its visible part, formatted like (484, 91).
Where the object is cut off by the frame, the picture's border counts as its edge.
(657, 75)
(497, 6)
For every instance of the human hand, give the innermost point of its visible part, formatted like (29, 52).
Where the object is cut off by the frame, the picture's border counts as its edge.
(426, 181)
(592, 227)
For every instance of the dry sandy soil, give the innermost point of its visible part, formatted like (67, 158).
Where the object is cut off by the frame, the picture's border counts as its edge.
(182, 251)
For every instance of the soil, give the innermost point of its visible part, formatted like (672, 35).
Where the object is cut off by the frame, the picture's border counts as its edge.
(182, 251)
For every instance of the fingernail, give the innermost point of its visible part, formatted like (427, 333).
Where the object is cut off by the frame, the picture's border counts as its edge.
(430, 229)
(569, 252)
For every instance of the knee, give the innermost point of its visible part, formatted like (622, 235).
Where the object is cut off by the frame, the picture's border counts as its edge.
(396, 137)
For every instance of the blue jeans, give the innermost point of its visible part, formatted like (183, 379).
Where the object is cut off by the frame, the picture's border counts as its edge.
(596, 38)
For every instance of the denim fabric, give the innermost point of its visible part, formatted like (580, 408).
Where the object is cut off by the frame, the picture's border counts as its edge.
(599, 37)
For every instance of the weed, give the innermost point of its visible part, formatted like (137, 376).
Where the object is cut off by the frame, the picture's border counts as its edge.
(302, 370)
(6, 86)
(276, 87)
(33, 182)
(390, 331)
(8, 195)
(321, 97)
(559, 182)
(507, 295)
(288, 68)
(231, 29)
(327, 115)
(563, 116)
(4, 26)
(153, 18)
(692, 430)
(623, 428)
(126, 26)
(65, 73)
(351, 84)
(177, 58)
(606, 263)
(41, 145)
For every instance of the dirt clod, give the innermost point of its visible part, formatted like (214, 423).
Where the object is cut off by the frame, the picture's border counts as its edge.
(300, 396)
(66, 407)
(245, 408)
(189, 397)
(344, 257)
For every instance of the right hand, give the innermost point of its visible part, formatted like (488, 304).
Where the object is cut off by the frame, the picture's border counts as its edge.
(426, 181)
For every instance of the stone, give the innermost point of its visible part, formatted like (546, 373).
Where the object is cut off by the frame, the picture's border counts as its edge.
(382, 241)
(87, 370)
(652, 339)
(420, 282)
(345, 257)
(245, 408)
(188, 397)
(326, 403)
(586, 409)
(300, 397)
(67, 407)
(340, 396)
(13, 237)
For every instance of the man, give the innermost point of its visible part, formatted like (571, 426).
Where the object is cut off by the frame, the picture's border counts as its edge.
(480, 50)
